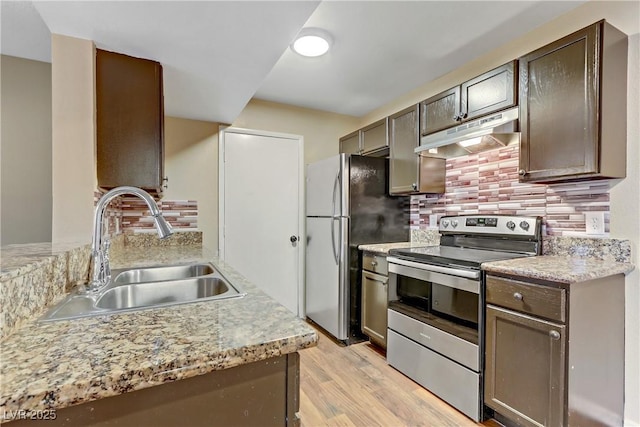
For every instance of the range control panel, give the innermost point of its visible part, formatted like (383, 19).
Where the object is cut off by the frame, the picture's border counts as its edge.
(490, 224)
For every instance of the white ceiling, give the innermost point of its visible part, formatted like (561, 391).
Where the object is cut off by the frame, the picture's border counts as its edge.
(217, 55)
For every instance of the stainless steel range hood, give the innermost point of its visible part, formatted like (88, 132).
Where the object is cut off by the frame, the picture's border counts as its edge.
(486, 133)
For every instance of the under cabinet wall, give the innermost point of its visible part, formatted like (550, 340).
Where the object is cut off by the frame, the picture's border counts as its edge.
(26, 151)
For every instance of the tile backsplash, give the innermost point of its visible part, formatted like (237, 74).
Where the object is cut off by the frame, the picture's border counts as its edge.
(487, 183)
(181, 214)
(131, 214)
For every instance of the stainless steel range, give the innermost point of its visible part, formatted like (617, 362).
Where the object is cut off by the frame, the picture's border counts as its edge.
(436, 303)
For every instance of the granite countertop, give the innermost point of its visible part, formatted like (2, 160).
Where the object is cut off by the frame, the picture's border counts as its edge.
(383, 248)
(59, 364)
(559, 268)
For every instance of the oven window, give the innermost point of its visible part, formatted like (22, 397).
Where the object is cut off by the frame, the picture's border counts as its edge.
(441, 301)
(455, 304)
(415, 293)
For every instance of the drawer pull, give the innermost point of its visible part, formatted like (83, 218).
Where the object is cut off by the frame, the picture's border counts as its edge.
(374, 263)
(518, 296)
(555, 335)
(425, 336)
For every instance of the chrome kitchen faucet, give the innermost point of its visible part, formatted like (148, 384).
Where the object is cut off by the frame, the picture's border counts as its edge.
(100, 270)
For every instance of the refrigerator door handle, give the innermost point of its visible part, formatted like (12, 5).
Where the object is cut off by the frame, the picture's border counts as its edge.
(333, 199)
(341, 243)
(333, 238)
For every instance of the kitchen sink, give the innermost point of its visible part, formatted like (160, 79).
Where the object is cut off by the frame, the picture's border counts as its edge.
(163, 293)
(156, 274)
(146, 288)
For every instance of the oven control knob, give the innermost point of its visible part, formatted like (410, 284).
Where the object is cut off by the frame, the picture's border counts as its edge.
(445, 223)
(511, 225)
(524, 225)
(454, 223)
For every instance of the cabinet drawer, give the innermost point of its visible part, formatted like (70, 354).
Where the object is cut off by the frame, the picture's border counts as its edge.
(375, 263)
(543, 301)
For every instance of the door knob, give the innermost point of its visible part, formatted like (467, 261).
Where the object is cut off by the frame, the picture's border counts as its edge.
(293, 239)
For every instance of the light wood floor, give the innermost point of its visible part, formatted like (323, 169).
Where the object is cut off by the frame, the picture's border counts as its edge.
(354, 386)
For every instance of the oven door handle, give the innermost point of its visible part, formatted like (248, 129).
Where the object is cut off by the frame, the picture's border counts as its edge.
(469, 274)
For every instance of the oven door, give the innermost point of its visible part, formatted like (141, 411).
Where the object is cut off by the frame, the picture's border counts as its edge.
(449, 293)
(433, 330)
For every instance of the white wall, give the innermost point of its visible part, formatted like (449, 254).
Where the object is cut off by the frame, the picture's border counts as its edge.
(25, 151)
(321, 130)
(625, 224)
(191, 164)
(73, 138)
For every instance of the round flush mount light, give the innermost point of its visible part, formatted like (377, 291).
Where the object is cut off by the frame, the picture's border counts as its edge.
(311, 42)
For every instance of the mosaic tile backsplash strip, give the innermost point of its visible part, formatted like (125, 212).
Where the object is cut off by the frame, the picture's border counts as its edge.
(487, 183)
(130, 214)
(181, 214)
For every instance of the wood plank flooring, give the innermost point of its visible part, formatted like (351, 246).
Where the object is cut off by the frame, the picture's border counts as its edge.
(354, 386)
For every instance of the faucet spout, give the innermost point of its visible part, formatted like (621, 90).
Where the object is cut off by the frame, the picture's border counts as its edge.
(101, 272)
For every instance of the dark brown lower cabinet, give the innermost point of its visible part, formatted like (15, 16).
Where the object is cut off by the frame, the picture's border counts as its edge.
(554, 352)
(263, 393)
(525, 368)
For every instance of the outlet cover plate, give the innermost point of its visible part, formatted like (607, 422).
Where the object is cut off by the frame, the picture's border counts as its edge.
(594, 222)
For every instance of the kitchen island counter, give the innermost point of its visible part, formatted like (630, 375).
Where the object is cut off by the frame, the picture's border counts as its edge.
(64, 363)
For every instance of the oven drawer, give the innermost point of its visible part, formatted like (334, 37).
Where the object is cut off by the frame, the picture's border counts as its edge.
(457, 385)
(455, 348)
(375, 263)
(537, 300)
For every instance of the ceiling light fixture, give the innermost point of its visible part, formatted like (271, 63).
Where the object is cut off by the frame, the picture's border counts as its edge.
(311, 42)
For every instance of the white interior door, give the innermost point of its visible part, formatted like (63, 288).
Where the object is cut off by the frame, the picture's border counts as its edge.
(261, 195)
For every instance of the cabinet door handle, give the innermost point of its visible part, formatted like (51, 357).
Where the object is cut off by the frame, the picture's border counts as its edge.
(414, 186)
(522, 172)
(374, 263)
(518, 296)
(554, 335)
(462, 116)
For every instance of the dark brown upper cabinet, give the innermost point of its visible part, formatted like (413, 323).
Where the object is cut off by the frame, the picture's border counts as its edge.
(374, 138)
(350, 144)
(492, 91)
(573, 97)
(440, 111)
(130, 122)
(410, 173)
(371, 140)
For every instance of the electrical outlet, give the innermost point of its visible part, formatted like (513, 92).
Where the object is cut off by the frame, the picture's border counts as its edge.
(595, 223)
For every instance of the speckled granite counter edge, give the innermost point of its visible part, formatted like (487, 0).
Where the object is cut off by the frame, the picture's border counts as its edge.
(559, 268)
(383, 248)
(615, 250)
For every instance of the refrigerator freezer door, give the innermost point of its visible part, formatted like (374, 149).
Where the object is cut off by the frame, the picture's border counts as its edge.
(325, 194)
(375, 217)
(326, 273)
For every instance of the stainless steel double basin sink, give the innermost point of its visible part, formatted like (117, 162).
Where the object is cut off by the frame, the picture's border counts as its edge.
(144, 288)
